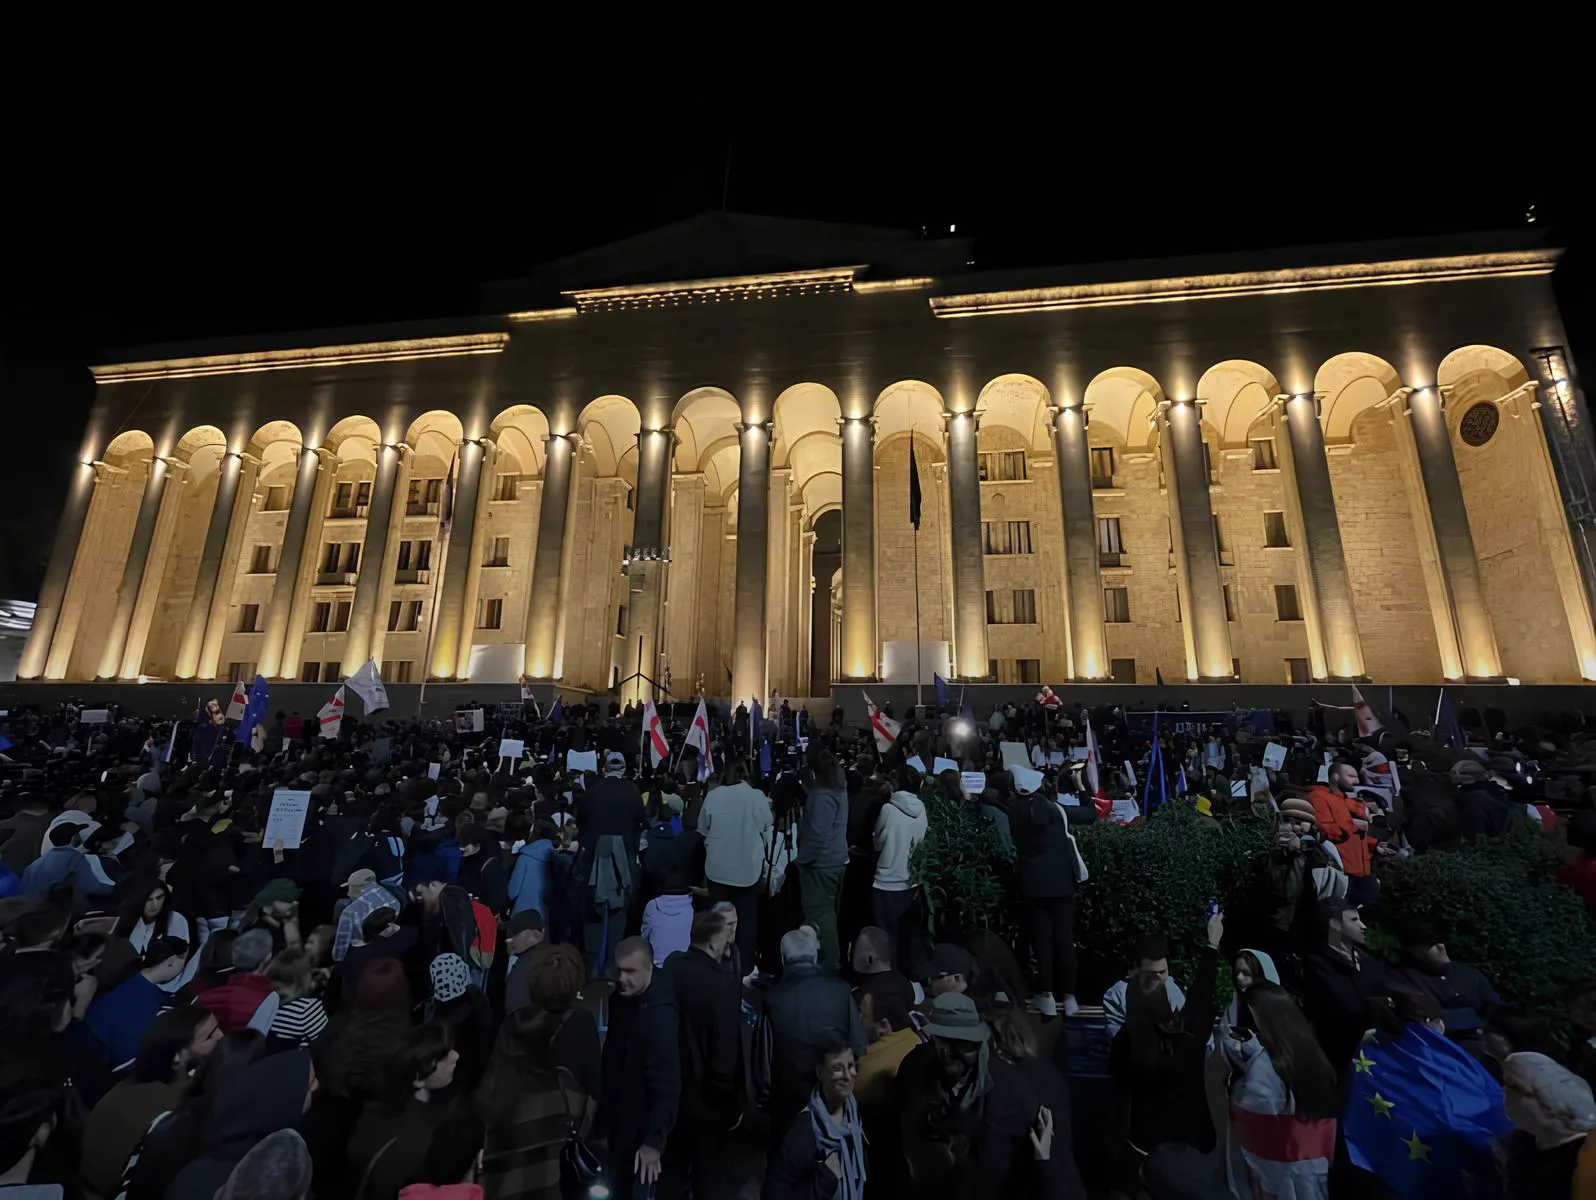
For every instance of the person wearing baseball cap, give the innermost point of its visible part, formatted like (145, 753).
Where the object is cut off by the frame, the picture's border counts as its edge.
(366, 896)
(1304, 870)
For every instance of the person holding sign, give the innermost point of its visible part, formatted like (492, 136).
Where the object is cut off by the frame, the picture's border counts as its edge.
(1049, 866)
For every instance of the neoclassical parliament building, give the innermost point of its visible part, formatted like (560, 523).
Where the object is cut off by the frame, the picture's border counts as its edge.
(689, 454)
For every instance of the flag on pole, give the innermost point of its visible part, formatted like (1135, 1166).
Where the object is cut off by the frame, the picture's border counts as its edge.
(756, 727)
(764, 757)
(884, 727)
(1047, 698)
(698, 738)
(171, 745)
(1100, 800)
(654, 735)
(557, 713)
(236, 706)
(942, 689)
(914, 486)
(1446, 722)
(1364, 715)
(1180, 780)
(367, 684)
(1158, 677)
(331, 715)
(254, 713)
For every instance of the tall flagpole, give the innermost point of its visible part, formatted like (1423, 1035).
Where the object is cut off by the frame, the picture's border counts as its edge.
(445, 529)
(919, 667)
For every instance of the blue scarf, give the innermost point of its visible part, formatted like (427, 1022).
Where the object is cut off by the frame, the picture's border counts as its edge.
(845, 1140)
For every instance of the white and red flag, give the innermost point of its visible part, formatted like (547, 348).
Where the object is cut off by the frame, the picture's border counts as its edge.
(1364, 715)
(654, 735)
(884, 727)
(698, 738)
(1100, 799)
(1047, 698)
(240, 701)
(331, 715)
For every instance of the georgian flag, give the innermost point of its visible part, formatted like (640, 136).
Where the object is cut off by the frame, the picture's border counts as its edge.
(698, 738)
(331, 715)
(884, 727)
(654, 735)
(1047, 698)
(235, 706)
(1100, 800)
(1364, 715)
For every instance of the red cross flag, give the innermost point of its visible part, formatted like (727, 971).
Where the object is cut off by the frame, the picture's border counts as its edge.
(1047, 699)
(1100, 799)
(1364, 715)
(654, 734)
(240, 700)
(331, 715)
(698, 738)
(885, 728)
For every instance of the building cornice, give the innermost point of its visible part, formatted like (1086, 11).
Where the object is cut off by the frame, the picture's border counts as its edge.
(312, 356)
(1394, 273)
(714, 291)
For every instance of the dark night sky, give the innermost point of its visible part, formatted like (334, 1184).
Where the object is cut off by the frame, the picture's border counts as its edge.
(225, 224)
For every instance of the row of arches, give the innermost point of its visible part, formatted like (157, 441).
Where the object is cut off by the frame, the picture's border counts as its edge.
(119, 619)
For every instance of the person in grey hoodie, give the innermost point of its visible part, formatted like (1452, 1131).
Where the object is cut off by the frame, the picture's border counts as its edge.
(823, 849)
(735, 823)
(899, 829)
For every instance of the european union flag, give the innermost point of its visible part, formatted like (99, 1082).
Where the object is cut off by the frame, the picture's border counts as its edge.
(557, 713)
(254, 711)
(1446, 725)
(764, 757)
(5, 743)
(1421, 1114)
(942, 689)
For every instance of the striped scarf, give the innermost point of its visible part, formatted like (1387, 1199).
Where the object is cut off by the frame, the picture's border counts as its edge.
(845, 1140)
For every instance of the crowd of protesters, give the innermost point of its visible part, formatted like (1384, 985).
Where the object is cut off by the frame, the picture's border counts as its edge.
(467, 974)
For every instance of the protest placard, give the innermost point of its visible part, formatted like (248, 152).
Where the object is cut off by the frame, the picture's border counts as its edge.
(433, 769)
(286, 820)
(581, 760)
(511, 748)
(1015, 754)
(943, 764)
(1274, 756)
(95, 716)
(973, 782)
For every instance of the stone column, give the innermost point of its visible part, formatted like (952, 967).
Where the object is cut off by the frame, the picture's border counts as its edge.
(133, 569)
(1327, 587)
(275, 629)
(155, 563)
(86, 575)
(1191, 521)
(753, 550)
(451, 640)
(969, 567)
(227, 572)
(1454, 543)
(383, 519)
(194, 634)
(682, 610)
(778, 622)
(1082, 574)
(645, 573)
(318, 497)
(63, 554)
(806, 611)
(543, 602)
(861, 651)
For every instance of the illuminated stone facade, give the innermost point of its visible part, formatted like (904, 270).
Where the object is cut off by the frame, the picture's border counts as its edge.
(1358, 462)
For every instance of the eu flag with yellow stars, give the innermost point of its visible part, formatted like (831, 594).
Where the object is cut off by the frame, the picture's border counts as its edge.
(1421, 1114)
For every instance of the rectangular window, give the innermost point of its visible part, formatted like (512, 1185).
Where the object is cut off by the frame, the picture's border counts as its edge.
(260, 560)
(331, 672)
(1230, 606)
(351, 557)
(424, 498)
(412, 617)
(276, 499)
(1286, 607)
(424, 555)
(329, 557)
(1102, 467)
(998, 465)
(1263, 454)
(620, 621)
(1116, 605)
(992, 617)
(507, 487)
(396, 670)
(248, 615)
(1297, 671)
(320, 618)
(1275, 534)
(1208, 461)
(240, 670)
(405, 549)
(310, 673)
(490, 613)
(499, 556)
(363, 494)
(1220, 547)
(343, 499)
(1122, 670)
(1028, 670)
(395, 608)
(1109, 543)
(1006, 537)
(341, 616)
(1235, 668)
(1024, 606)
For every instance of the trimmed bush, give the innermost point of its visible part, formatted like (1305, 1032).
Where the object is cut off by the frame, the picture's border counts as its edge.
(966, 874)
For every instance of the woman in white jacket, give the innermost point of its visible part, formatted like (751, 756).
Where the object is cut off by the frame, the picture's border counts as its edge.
(1284, 1102)
(899, 829)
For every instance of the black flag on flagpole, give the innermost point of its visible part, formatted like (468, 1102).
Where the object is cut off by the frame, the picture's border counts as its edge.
(914, 487)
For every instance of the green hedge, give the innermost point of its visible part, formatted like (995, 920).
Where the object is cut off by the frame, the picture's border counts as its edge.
(1496, 904)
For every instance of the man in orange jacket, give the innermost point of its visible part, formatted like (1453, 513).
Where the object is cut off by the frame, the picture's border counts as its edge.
(1344, 822)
